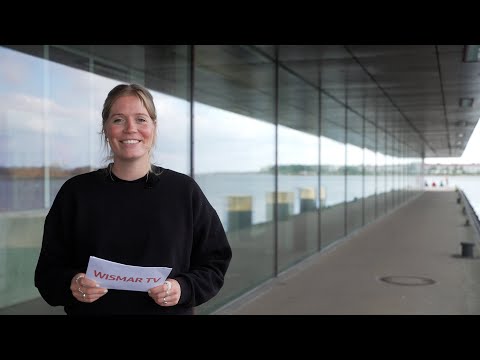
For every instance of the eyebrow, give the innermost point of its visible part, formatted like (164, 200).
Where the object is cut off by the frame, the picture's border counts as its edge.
(121, 114)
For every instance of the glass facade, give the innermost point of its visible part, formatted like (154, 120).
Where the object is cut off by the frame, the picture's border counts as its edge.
(298, 177)
(354, 172)
(332, 171)
(234, 157)
(290, 165)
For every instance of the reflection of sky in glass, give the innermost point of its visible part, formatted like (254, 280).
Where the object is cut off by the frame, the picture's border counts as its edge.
(381, 159)
(71, 100)
(332, 152)
(172, 148)
(369, 157)
(72, 104)
(296, 147)
(354, 155)
(229, 142)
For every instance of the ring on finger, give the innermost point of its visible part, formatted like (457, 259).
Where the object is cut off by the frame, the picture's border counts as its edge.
(78, 278)
(164, 301)
(80, 290)
(84, 296)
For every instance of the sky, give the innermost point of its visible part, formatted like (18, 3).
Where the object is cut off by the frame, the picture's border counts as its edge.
(471, 155)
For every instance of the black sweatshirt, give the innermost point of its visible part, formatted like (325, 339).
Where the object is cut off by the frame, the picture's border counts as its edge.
(160, 220)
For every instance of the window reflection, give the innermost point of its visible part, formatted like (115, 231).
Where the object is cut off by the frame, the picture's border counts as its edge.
(298, 163)
(332, 160)
(227, 162)
(298, 195)
(369, 184)
(22, 153)
(50, 126)
(234, 156)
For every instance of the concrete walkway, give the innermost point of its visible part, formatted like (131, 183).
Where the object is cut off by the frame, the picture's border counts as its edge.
(416, 249)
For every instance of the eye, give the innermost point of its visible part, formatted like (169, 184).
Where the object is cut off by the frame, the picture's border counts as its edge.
(142, 120)
(117, 120)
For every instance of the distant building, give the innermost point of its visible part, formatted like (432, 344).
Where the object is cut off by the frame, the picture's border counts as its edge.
(452, 169)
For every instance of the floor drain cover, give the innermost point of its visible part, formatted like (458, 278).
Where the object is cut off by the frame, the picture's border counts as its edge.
(407, 280)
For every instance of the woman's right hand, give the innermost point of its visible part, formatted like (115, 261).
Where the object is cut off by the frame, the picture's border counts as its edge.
(86, 290)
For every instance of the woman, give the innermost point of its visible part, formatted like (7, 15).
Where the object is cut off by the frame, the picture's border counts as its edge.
(133, 213)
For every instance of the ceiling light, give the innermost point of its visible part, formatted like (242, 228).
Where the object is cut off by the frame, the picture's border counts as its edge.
(463, 123)
(466, 102)
(471, 53)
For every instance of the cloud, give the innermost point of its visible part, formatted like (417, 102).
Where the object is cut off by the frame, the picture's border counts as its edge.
(16, 68)
(27, 112)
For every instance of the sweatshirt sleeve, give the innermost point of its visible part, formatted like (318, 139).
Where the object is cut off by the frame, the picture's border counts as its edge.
(210, 256)
(54, 271)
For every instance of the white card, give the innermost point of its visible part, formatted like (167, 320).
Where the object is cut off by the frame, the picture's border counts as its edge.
(113, 275)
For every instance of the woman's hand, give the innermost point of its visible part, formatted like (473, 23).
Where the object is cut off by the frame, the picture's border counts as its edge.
(86, 290)
(167, 294)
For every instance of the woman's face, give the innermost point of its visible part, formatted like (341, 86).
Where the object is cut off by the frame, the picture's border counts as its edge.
(130, 130)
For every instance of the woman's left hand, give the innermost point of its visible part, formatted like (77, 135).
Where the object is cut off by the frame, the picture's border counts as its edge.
(165, 294)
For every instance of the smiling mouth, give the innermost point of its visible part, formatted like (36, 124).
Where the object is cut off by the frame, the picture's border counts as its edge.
(130, 141)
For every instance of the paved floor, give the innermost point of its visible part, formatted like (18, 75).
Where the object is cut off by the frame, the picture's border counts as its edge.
(416, 249)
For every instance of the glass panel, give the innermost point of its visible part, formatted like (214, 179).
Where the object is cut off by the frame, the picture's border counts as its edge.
(163, 69)
(22, 145)
(22, 169)
(396, 173)
(401, 169)
(51, 131)
(298, 158)
(389, 176)
(354, 171)
(369, 179)
(332, 177)
(404, 166)
(69, 119)
(234, 157)
(381, 173)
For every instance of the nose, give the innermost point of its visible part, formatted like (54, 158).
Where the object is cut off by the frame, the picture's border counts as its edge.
(130, 125)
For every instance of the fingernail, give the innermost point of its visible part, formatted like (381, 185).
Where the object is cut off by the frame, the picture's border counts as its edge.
(97, 285)
(105, 291)
(148, 292)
